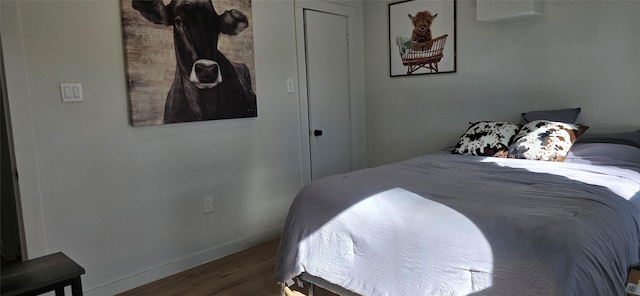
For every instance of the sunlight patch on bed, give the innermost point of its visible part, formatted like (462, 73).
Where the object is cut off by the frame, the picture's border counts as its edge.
(449, 244)
(621, 181)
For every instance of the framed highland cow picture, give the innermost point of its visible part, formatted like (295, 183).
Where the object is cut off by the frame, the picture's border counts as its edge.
(422, 37)
(188, 60)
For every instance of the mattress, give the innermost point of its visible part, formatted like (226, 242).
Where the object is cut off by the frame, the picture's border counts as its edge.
(445, 224)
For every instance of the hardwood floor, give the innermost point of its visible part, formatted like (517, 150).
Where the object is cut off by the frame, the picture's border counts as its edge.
(246, 273)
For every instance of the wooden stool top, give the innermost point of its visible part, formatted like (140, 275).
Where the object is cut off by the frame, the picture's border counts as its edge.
(38, 273)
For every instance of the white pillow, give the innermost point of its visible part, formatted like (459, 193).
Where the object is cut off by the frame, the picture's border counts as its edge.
(545, 140)
(487, 138)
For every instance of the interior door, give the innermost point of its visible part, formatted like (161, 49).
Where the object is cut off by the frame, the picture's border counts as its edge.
(328, 93)
(11, 234)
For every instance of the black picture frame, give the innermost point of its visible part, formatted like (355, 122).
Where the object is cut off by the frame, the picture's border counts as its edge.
(416, 51)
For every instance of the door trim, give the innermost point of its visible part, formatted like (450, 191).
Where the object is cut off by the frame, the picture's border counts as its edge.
(22, 130)
(7, 131)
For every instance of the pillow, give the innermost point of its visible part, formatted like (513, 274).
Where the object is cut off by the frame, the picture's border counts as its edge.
(625, 138)
(486, 138)
(545, 140)
(605, 154)
(562, 115)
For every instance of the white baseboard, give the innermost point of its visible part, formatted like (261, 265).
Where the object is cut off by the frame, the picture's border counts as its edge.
(161, 271)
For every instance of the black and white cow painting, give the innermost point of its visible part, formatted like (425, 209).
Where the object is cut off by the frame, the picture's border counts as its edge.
(206, 85)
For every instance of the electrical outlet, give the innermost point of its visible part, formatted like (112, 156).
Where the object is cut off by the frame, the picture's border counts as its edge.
(208, 204)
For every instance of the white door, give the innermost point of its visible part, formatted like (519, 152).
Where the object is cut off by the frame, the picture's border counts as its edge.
(328, 93)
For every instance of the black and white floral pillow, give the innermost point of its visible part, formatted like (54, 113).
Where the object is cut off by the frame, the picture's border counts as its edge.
(545, 140)
(487, 138)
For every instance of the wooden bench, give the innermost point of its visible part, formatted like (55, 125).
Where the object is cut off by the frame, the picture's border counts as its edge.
(40, 275)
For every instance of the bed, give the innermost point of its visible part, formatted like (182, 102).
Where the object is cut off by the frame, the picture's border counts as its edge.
(451, 224)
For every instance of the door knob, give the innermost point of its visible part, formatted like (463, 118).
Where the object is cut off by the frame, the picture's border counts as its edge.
(317, 133)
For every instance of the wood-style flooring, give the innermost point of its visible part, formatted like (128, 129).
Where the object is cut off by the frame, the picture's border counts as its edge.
(246, 273)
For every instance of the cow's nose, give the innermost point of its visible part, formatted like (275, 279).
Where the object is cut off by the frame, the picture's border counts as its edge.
(207, 73)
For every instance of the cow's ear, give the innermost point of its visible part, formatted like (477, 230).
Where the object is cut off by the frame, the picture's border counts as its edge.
(232, 22)
(154, 10)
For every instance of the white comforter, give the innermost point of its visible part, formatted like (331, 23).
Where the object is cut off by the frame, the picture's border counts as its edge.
(447, 224)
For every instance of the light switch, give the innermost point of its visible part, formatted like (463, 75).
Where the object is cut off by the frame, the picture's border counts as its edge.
(71, 92)
(290, 86)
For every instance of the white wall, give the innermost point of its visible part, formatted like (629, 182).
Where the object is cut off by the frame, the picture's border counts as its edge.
(581, 54)
(127, 203)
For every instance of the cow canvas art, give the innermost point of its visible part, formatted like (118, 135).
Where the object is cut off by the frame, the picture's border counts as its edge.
(189, 60)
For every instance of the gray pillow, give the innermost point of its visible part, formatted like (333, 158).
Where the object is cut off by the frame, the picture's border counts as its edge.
(561, 115)
(626, 138)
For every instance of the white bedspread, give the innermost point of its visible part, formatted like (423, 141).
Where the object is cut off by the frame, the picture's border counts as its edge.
(447, 224)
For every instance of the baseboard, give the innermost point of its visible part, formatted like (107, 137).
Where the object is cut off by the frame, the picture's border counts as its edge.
(182, 264)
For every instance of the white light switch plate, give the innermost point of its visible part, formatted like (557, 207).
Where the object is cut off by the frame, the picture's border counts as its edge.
(208, 204)
(71, 92)
(290, 86)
